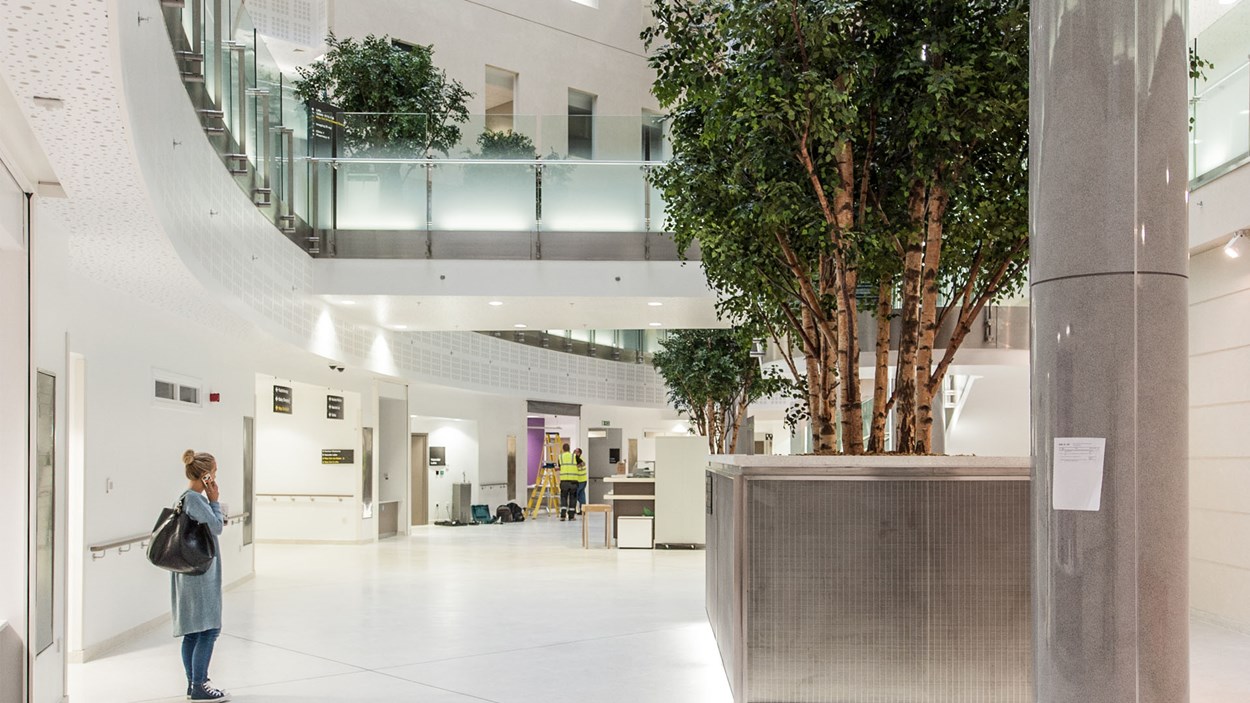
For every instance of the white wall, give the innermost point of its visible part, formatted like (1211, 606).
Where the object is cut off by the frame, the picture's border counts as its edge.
(1218, 209)
(297, 497)
(14, 371)
(1219, 443)
(634, 423)
(556, 46)
(995, 419)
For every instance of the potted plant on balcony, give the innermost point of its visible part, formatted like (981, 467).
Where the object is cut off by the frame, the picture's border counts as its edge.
(837, 157)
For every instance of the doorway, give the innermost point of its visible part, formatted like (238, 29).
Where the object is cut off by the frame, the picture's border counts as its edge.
(420, 471)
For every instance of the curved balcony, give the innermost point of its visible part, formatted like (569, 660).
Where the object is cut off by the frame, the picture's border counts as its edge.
(561, 187)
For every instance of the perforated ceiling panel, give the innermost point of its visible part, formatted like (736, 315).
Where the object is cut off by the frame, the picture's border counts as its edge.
(154, 214)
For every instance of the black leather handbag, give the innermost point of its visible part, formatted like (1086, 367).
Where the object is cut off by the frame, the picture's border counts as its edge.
(180, 544)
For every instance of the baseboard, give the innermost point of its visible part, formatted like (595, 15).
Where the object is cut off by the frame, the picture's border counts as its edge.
(239, 581)
(99, 649)
(1220, 621)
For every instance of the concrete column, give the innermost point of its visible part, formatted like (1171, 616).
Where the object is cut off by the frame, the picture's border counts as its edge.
(1108, 176)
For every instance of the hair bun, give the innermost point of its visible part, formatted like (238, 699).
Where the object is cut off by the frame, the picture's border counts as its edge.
(188, 456)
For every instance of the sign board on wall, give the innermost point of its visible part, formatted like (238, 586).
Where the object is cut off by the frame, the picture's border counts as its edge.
(334, 407)
(338, 456)
(438, 456)
(282, 399)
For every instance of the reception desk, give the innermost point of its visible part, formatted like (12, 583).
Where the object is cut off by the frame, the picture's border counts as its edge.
(870, 578)
(629, 496)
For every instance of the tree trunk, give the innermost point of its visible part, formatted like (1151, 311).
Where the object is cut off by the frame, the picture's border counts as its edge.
(881, 377)
(909, 338)
(936, 210)
(846, 280)
(824, 435)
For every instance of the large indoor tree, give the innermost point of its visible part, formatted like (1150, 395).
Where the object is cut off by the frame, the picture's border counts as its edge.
(712, 379)
(845, 156)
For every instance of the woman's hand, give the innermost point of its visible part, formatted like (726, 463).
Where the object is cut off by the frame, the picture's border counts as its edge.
(211, 490)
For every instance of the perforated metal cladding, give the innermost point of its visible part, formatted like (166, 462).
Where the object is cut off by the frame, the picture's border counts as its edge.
(888, 591)
(719, 570)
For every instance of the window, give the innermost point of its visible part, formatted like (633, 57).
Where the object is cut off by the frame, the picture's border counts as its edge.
(581, 124)
(500, 99)
(652, 137)
(403, 45)
(175, 390)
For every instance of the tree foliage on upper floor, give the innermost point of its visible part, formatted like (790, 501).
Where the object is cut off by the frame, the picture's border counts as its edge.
(400, 103)
(846, 155)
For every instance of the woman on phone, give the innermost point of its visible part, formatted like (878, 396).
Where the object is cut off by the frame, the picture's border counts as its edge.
(197, 599)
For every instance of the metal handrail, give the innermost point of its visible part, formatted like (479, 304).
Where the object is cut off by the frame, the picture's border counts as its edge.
(468, 161)
(99, 550)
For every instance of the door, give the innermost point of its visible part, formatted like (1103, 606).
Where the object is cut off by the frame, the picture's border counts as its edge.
(419, 458)
(249, 476)
(511, 467)
(47, 584)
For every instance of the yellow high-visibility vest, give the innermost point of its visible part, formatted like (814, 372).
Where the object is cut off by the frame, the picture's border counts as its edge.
(568, 467)
(583, 473)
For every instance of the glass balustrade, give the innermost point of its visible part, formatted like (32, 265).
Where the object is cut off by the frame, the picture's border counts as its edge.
(407, 172)
(1220, 102)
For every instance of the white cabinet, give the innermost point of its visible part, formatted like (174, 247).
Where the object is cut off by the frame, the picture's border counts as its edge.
(634, 533)
(680, 490)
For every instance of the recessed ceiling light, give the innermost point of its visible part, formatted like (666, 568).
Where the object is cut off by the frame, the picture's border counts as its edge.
(495, 303)
(657, 324)
(399, 327)
(519, 326)
(655, 303)
(347, 302)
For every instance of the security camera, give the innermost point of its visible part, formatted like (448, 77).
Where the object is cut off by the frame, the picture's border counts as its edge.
(339, 369)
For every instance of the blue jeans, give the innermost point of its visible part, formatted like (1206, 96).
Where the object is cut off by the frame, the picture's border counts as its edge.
(581, 494)
(197, 649)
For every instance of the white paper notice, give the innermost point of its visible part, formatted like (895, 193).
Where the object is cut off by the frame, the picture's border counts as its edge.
(1077, 479)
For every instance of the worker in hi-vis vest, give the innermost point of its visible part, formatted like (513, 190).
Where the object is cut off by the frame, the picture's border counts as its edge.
(582, 478)
(569, 476)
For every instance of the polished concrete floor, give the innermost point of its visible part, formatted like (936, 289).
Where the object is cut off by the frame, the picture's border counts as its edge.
(503, 613)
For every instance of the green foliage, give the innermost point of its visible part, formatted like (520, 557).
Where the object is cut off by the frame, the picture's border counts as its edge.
(506, 145)
(712, 378)
(886, 99)
(411, 107)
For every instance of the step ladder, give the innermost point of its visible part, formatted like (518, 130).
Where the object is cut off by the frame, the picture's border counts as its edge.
(548, 487)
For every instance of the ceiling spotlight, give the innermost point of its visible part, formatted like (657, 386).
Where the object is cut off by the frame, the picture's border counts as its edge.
(519, 326)
(544, 340)
(1238, 245)
(655, 303)
(347, 302)
(657, 324)
(518, 336)
(495, 303)
(568, 344)
(399, 327)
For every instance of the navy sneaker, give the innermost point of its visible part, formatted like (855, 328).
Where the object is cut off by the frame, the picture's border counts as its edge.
(207, 692)
(206, 682)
